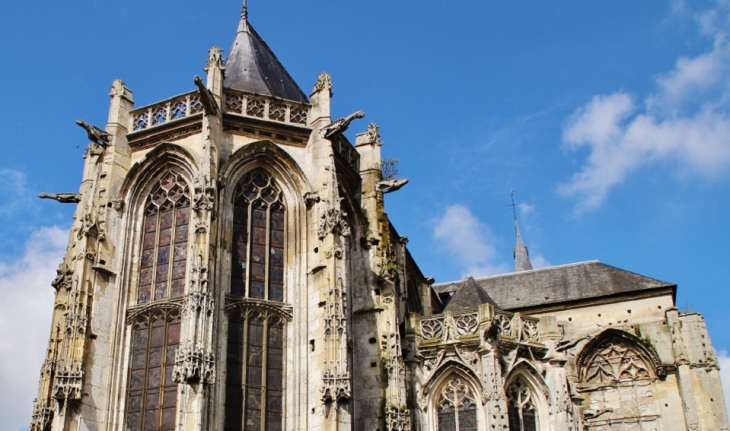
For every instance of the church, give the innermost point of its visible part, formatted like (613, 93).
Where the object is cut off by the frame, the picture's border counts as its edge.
(232, 266)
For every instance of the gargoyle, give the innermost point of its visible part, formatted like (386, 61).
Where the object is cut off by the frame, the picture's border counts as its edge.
(388, 186)
(206, 97)
(95, 134)
(64, 198)
(594, 413)
(564, 345)
(338, 127)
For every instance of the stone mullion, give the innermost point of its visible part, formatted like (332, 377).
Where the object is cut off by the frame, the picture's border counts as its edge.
(267, 253)
(264, 374)
(244, 366)
(249, 249)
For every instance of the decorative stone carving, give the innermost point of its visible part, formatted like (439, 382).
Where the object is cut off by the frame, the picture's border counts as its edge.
(333, 219)
(194, 365)
(42, 415)
(64, 198)
(339, 126)
(374, 134)
(335, 251)
(397, 419)
(64, 278)
(324, 83)
(311, 198)
(336, 384)
(214, 58)
(204, 195)
(210, 106)
(68, 379)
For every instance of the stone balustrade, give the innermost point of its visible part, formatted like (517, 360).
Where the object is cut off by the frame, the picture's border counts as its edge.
(265, 108)
(450, 327)
(166, 111)
(514, 327)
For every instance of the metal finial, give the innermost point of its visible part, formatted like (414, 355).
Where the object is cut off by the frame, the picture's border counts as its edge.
(514, 212)
(244, 10)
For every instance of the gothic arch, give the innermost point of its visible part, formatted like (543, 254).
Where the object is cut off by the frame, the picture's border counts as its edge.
(168, 172)
(454, 399)
(265, 154)
(610, 336)
(245, 312)
(525, 388)
(162, 158)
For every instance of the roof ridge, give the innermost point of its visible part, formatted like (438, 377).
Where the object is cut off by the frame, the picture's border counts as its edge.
(509, 274)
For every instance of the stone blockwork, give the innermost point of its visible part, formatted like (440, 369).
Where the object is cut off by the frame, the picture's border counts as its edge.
(232, 266)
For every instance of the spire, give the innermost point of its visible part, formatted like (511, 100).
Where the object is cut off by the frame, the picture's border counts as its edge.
(243, 25)
(521, 255)
(253, 67)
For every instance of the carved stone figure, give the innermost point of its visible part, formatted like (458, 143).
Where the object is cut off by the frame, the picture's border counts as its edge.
(64, 198)
(339, 126)
(95, 134)
(389, 186)
(206, 97)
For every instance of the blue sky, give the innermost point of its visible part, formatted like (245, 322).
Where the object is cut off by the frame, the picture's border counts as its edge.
(608, 119)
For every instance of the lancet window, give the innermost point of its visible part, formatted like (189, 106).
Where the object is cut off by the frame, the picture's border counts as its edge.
(165, 241)
(255, 358)
(521, 407)
(151, 391)
(258, 239)
(457, 407)
(254, 382)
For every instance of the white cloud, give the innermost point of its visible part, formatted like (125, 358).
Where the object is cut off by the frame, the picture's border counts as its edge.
(469, 241)
(13, 182)
(26, 301)
(685, 123)
(724, 361)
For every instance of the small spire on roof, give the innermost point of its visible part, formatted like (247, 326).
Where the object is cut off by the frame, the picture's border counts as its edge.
(521, 255)
(243, 26)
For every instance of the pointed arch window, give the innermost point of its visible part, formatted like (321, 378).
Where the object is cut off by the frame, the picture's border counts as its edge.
(620, 359)
(255, 358)
(151, 391)
(258, 238)
(165, 241)
(521, 407)
(457, 409)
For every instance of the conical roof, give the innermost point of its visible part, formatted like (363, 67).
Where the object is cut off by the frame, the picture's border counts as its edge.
(252, 66)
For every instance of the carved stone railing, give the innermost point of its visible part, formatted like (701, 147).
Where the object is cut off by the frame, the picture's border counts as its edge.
(448, 327)
(164, 112)
(517, 328)
(265, 108)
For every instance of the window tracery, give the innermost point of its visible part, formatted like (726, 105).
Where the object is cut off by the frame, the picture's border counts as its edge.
(616, 361)
(521, 407)
(151, 390)
(258, 239)
(152, 393)
(255, 365)
(165, 241)
(456, 407)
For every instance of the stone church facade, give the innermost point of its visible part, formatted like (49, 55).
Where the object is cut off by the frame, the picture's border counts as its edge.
(231, 267)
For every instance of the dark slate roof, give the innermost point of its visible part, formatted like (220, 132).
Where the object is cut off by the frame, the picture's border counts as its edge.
(469, 296)
(252, 66)
(558, 284)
